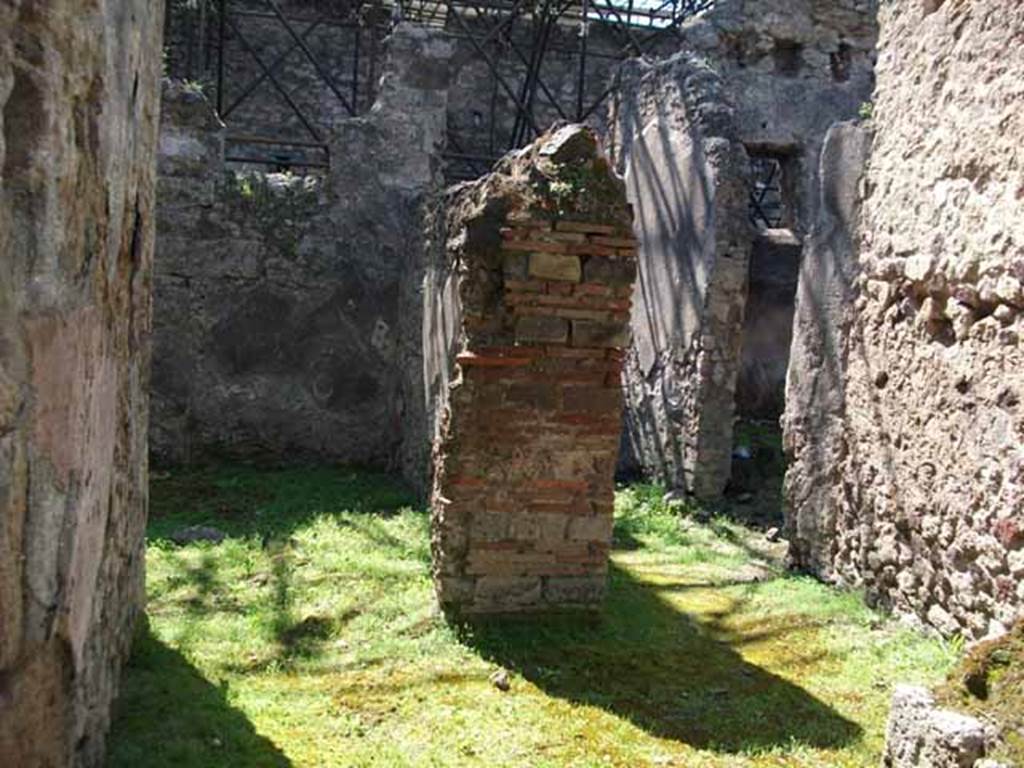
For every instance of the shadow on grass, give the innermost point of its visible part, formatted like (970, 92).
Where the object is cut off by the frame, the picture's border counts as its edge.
(244, 500)
(670, 674)
(168, 714)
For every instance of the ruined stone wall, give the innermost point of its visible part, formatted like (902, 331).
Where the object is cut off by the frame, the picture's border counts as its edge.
(78, 116)
(287, 308)
(915, 489)
(687, 178)
(524, 336)
(790, 68)
(754, 80)
(814, 423)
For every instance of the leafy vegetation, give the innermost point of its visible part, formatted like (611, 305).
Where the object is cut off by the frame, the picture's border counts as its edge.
(310, 637)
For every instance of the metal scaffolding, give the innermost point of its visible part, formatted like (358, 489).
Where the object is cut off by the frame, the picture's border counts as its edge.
(223, 45)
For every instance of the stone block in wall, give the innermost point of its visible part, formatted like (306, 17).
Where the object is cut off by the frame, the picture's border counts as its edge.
(529, 431)
(554, 266)
(78, 108)
(588, 333)
(541, 329)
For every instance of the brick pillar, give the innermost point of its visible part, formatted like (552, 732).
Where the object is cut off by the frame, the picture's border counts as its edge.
(537, 275)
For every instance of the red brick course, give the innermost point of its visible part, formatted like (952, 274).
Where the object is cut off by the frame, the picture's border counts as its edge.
(524, 464)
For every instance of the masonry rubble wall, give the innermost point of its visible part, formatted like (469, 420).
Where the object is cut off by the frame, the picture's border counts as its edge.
(751, 82)
(79, 106)
(287, 319)
(905, 422)
(790, 68)
(530, 289)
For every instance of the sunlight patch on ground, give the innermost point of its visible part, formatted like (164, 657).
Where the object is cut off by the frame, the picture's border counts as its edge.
(309, 637)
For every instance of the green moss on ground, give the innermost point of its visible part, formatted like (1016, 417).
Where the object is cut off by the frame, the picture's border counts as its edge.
(989, 683)
(310, 637)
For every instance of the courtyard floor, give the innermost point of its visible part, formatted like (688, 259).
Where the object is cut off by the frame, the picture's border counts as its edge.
(309, 637)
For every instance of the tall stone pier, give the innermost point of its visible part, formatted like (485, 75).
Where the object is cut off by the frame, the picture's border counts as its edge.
(527, 315)
(78, 119)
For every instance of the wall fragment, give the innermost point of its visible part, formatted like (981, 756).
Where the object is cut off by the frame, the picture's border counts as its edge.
(527, 317)
(287, 306)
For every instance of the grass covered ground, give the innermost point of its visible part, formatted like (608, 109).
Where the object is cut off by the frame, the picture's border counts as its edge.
(309, 637)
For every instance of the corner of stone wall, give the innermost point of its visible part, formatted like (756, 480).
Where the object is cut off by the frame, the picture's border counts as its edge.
(410, 123)
(814, 420)
(190, 175)
(687, 178)
(79, 88)
(905, 420)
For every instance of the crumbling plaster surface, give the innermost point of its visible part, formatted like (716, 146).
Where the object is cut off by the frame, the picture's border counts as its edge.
(790, 68)
(754, 79)
(687, 178)
(914, 487)
(288, 309)
(78, 109)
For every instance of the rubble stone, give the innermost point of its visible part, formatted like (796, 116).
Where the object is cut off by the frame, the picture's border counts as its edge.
(919, 734)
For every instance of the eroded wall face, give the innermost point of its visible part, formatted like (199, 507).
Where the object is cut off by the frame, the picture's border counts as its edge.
(687, 178)
(529, 321)
(287, 307)
(790, 68)
(756, 83)
(924, 504)
(78, 111)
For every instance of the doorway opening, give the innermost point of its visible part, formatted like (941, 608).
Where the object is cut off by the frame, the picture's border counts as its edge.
(758, 467)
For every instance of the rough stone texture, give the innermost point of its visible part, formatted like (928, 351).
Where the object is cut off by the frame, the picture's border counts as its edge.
(918, 490)
(687, 177)
(791, 68)
(919, 734)
(78, 113)
(756, 80)
(528, 299)
(814, 422)
(287, 309)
